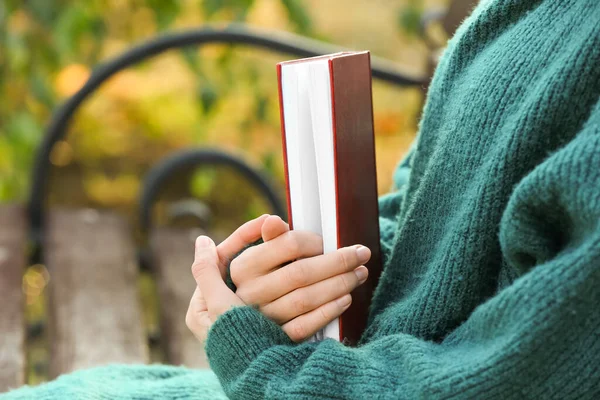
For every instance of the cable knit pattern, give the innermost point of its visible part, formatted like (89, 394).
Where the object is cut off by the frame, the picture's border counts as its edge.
(491, 286)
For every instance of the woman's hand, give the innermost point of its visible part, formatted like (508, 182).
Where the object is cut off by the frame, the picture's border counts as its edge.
(303, 296)
(212, 297)
(309, 292)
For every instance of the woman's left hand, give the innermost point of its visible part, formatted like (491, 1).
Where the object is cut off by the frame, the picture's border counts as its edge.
(212, 297)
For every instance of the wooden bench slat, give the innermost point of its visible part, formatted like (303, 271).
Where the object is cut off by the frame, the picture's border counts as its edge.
(94, 311)
(172, 255)
(12, 325)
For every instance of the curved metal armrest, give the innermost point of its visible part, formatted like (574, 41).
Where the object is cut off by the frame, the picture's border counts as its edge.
(193, 158)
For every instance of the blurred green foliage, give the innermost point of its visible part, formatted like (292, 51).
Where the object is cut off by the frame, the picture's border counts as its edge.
(216, 95)
(409, 18)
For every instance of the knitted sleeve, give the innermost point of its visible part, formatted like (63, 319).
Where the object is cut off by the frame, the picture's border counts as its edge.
(537, 338)
(391, 203)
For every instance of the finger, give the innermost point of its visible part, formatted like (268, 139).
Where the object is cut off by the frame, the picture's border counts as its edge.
(242, 237)
(306, 325)
(197, 303)
(197, 318)
(304, 272)
(309, 298)
(272, 227)
(205, 270)
(259, 260)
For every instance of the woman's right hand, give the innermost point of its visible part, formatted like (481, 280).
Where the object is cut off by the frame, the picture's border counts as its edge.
(290, 280)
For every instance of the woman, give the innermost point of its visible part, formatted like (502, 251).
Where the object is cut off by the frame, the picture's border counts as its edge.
(491, 243)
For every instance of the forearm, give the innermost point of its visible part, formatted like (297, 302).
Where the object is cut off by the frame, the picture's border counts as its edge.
(390, 205)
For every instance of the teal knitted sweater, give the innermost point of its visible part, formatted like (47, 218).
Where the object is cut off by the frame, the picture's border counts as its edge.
(491, 287)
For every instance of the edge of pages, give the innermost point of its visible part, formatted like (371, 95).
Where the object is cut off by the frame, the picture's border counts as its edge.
(285, 162)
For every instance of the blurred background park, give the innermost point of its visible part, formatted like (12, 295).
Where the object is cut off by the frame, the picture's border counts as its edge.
(214, 96)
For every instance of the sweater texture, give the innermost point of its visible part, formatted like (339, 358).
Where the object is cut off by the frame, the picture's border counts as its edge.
(491, 241)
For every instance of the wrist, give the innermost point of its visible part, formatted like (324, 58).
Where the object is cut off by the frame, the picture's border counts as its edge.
(238, 337)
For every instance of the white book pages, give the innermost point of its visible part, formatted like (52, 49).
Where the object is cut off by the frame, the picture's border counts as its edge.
(307, 108)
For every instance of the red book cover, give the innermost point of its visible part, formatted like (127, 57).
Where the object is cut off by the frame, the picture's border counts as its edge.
(356, 207)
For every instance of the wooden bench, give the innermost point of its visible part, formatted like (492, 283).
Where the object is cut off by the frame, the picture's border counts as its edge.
(94, 314)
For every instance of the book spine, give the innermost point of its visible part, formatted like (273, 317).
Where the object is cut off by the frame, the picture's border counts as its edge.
(356, 177)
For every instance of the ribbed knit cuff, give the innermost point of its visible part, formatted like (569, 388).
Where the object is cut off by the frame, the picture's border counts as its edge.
(237, 338)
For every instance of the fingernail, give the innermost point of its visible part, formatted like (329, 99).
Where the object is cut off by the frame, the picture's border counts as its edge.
(344, 301)
(363, 254)
(203, 241)
(361, 273)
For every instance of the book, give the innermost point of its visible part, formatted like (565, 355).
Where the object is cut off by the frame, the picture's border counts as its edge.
(329, 158)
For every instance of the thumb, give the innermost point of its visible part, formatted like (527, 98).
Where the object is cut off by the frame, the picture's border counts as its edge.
(219, 298)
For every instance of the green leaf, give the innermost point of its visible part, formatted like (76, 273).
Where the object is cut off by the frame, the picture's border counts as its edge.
(97, 27)
(409, 19)
(17, 148)
(24, 132)
(239, 8)
(224, 63)
(18, 53)
(298, 15)
(203, 182)
(191, 58)
(262, 105)
(165, 12)
(42, 91)
(44, 11)
(208, 96)
(268, 161)
(211, 7)
(72, 25)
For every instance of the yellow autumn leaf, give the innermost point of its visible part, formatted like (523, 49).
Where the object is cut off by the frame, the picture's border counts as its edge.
(70, 79)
